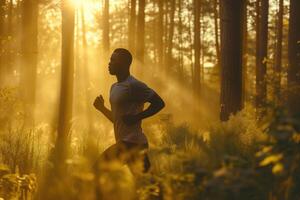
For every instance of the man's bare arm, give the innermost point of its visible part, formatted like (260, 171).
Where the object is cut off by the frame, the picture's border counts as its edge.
(99, 105)
(156, 104)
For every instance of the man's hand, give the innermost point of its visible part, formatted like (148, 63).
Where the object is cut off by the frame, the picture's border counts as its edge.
(99, 103)
(130, 119)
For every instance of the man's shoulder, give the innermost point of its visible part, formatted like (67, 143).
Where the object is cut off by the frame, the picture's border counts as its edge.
(135, 82)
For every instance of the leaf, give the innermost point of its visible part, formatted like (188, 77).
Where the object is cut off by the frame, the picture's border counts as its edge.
(271, 159)
(277, 169)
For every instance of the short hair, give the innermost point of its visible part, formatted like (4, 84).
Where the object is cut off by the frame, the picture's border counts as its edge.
(125, 55)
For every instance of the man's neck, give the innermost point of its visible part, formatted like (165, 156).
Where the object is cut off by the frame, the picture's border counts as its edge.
(122, 77)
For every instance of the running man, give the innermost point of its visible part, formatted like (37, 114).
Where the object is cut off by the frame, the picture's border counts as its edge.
(127, 98)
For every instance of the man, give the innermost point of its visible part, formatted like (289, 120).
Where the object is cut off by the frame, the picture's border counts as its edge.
(127, 98)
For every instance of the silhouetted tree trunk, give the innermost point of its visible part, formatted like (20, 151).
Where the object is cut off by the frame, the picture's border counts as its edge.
(160, 31)
(262, 53)
(245, 56)
(66, 91)
(170, 37)
(180, 32)
(231, 12)
(294, 58)
(197, 48)
(105, 31)
(278, 54)
(132, 26)
(140, 45)
(2, 36)
(216, 20)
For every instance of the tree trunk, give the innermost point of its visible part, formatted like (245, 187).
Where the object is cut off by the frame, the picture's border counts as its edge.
(170, 38)
(231, 13)
(180, 32)
(278, 54)
(132, 26)
(262, 53)
(66, 91)
(2, 36)
(160, 30)
(197, 48)
(216, 20)
(105, 31)
(140, 45)
(294, 58)
(245, 56)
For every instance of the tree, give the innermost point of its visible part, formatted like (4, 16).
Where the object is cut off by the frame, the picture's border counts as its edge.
(262, 53)
(197, 46)
(278, 53)
(132, 25)
(216, 20)
(66, 90)
(2, 35)
(105, 31)
(160, 31)
(231, 13)
(294, 58)
(140, 43)
(169, 59)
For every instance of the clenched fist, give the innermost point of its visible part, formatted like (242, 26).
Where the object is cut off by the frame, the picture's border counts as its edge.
(99, 102)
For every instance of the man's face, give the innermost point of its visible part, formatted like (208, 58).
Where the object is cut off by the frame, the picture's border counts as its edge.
(115, 65)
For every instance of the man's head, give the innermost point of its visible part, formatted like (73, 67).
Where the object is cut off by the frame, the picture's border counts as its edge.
(120, 61)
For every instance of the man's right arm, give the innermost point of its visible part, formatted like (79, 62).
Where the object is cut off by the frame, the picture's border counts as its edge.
(99, 105)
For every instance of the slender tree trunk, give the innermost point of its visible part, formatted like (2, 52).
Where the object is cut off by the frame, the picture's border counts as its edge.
(66, 92)
(294, 58)
(170, 38)
(216, 20)
(105, 31)
(140, 45)
(160, 31)
(231, 12)
(197, 48)
(132, 26)
(262, 53)
(245, 56)
(2, 37)
(278, 54)
(180, 31)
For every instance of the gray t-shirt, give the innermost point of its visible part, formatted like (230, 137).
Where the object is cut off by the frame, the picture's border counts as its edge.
(128, 97)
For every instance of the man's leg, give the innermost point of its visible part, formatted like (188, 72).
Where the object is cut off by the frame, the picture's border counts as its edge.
(137, 158)
(112, 153)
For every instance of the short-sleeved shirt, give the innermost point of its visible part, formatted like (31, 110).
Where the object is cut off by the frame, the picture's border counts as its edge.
(128, 97)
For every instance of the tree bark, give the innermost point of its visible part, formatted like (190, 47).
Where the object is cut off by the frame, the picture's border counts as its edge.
(278, 54)
(231, 13)
(66, 91)
(216, 21)
(140, 45)
(170, 38)
(132, 26)
(197, 48)
(262, 55)
(294, 58)
(2, 36)
(245, 56)
(160, 31)
(105, 31)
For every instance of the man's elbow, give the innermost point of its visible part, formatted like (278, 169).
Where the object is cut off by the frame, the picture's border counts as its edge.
(161, 104)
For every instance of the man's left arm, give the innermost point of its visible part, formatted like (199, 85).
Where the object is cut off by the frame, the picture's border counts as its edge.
(156, 104)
